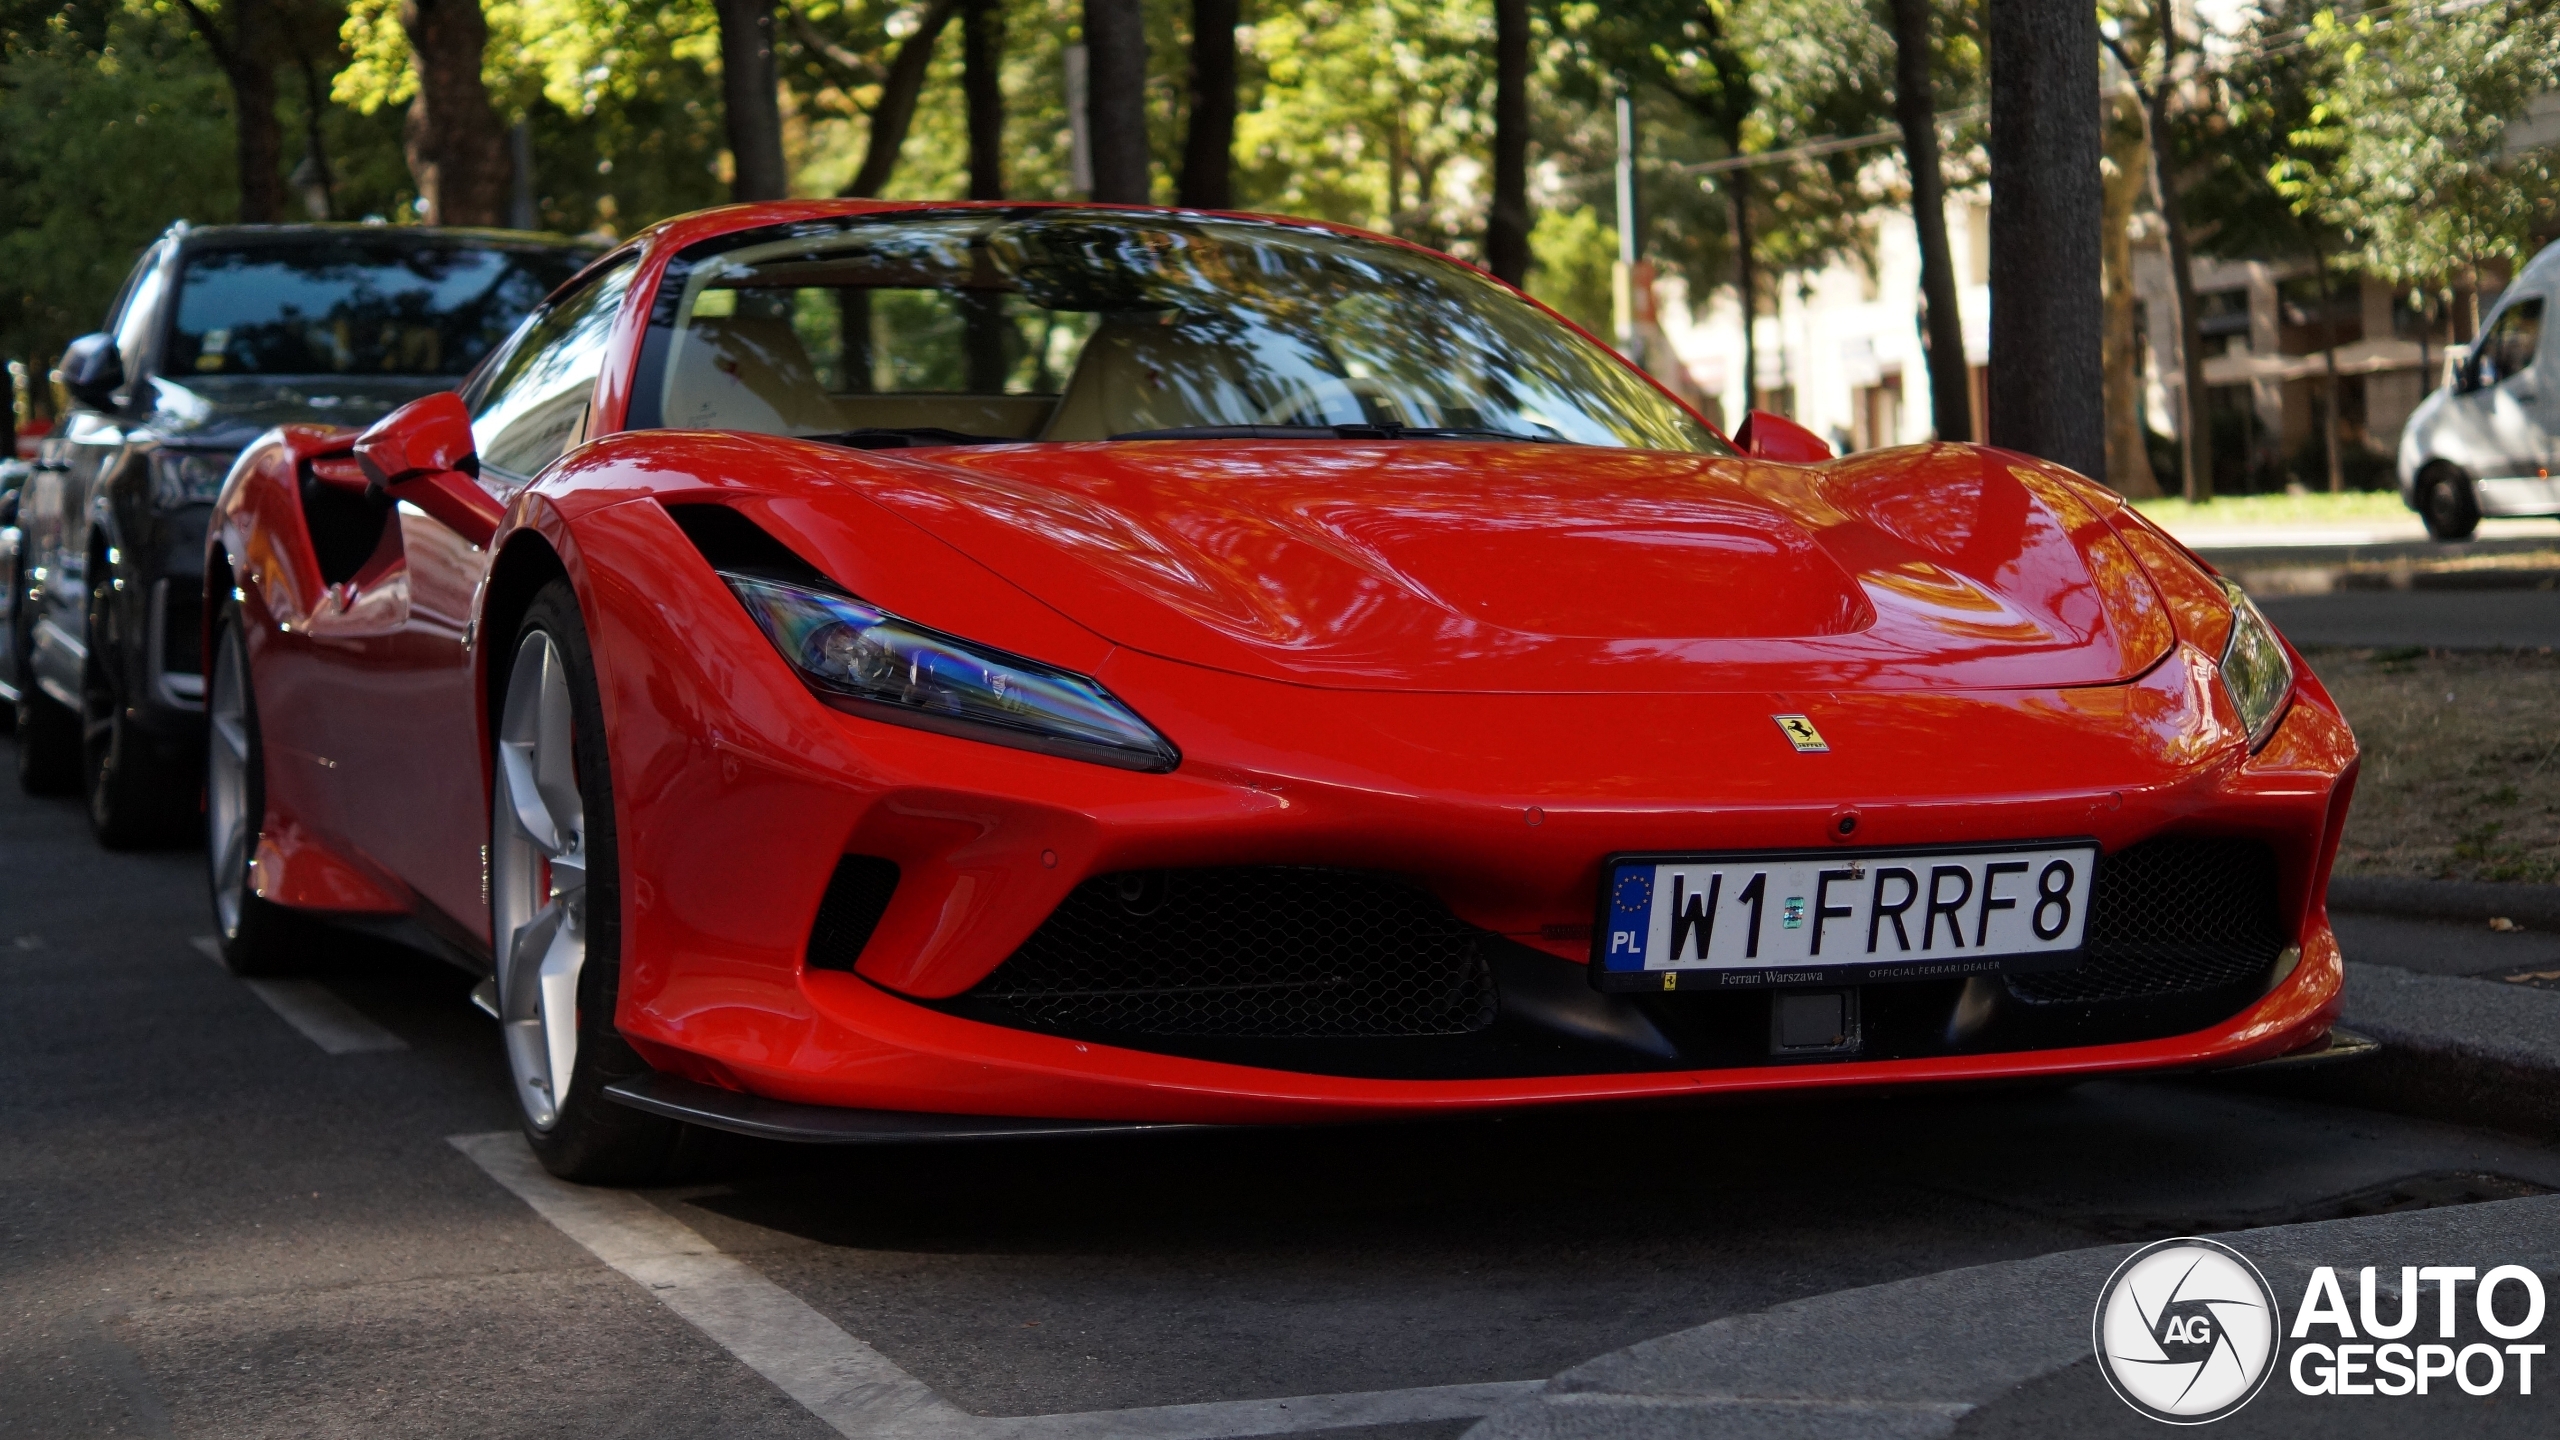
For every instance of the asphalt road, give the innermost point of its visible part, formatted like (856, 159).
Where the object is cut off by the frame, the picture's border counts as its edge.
(2434, 619)
(211, 1225)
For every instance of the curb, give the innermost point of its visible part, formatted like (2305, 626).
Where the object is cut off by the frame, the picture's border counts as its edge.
(1912, 1358)
(2476, 901)
(2469, 1052)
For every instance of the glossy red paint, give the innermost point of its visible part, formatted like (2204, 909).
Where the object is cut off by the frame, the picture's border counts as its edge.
(421, 453)
(1769, 436)
(1371, 655)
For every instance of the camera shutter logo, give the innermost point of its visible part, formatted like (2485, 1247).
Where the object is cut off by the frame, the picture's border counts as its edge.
(2185, 1331)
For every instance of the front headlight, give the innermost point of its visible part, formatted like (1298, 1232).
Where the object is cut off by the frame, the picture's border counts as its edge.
(186, 477)
(865, 660)
(2254, 668)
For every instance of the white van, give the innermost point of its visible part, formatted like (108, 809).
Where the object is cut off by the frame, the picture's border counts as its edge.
(2486, 444)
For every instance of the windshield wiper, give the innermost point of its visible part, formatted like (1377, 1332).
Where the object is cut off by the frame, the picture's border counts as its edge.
(1382, 430)
(898, 437)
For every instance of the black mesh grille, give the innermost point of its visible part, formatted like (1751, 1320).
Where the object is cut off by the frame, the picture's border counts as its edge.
(850, 911)
(1264, 952)
(2173, 916)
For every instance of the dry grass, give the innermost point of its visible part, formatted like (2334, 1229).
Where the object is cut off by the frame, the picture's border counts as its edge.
(2461, 763)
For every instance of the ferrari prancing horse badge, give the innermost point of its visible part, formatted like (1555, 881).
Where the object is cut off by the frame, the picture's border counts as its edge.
(1801, 734)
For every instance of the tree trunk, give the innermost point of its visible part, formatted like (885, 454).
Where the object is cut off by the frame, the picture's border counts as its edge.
(1746, 284)
(247, 57)
(1950, 379)
(1506, 238)
(2128, 172)
(1208, 147)
(1115, 38)
(897, 107)
(750, 100)
(2195, 432)
(2047, 378)
(456, 149)
(982, 84)
(312, 175)
(2195, 436)
(2329, 357)
(251, 70)
(261, 138)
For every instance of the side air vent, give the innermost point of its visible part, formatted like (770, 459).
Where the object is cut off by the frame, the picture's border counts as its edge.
(344, 516)
(856, 898)
(732, 542)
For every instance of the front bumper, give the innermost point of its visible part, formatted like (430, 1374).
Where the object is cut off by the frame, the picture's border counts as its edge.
(741, 795)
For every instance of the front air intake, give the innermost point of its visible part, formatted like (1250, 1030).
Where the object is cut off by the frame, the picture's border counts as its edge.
(857, 895)
(1265, 952)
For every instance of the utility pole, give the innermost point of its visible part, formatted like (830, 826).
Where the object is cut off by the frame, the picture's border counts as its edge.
(1623, 281)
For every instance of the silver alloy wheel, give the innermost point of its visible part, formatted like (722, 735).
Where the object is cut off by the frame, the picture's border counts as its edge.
(228, 837)
(538, 879)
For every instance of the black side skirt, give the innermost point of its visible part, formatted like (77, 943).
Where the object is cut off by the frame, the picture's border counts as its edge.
(720, 1109)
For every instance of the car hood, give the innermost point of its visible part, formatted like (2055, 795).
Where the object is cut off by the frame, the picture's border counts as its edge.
(228, 412)
(1510, 567)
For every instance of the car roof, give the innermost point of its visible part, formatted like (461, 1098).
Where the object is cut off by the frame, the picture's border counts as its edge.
(2541, 265)
(196, 237)
(679, 231)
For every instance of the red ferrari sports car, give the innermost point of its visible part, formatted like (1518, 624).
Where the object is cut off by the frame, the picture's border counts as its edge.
(851, 670)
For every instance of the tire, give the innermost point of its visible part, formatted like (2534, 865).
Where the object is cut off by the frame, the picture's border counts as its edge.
(555, 913)
(2448, 503)
(253, 936)
(48, 744)
(139, 797)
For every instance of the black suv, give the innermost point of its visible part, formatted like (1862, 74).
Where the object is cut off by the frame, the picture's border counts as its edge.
(220, 333)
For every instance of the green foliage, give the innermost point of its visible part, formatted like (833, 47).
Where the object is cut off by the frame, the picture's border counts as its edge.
(1719, 78)
(2247, 171)
(93, 100)
(828, 110)
(2404, 145)
(1574, 252)
(1374, 112)
(623, 97)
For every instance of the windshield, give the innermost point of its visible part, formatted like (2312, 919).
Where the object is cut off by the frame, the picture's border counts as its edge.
(355, 305)
(1096, 325)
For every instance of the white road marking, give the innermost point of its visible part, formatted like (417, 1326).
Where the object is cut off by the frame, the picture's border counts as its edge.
(858, 1391)
(314, 1009)
(1295, 1415)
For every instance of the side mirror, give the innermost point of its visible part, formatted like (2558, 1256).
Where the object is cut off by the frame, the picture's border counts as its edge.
(422, 453)
(91, 371)
(1775, 437)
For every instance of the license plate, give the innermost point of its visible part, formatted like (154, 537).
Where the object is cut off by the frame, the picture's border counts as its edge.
(1668, 922)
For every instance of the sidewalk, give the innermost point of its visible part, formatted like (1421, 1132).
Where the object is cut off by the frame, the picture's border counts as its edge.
(2469, 1019)
(2004, 1350)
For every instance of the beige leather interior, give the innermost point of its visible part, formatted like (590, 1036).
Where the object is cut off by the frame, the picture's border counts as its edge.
(1141, 373)
(742, 372)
